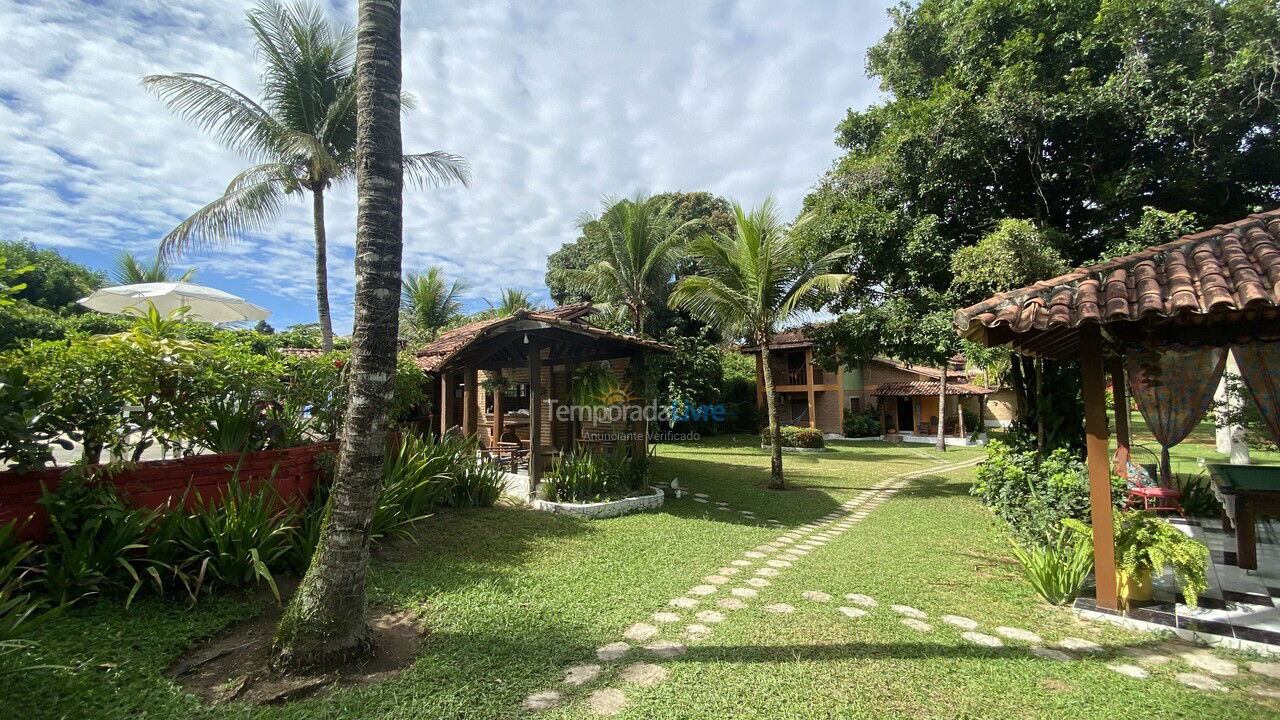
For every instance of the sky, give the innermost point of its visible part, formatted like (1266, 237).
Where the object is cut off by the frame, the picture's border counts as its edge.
(556, 105)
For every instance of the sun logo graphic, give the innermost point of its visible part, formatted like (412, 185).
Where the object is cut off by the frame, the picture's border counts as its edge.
(615, 393)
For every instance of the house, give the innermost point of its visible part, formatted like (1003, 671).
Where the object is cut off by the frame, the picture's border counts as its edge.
(904, 396)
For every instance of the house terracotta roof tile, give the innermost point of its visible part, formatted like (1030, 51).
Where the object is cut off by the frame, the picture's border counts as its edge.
(1230, 267)
(437, 353)
(920, 387)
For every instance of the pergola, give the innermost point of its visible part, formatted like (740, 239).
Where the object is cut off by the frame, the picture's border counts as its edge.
(921, 388)
(559, 339)
(1163, 316)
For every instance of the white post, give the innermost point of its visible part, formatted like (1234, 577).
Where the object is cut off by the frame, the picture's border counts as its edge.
(1230, 438)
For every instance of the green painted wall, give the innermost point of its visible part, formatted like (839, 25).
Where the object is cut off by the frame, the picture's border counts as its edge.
(853, 378)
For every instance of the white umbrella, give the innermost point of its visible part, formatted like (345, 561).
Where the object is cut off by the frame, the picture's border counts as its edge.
(206, 303)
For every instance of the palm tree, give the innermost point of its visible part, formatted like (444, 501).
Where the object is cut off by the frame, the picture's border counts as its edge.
(131, 270)
(302, 135)
(641, 244)
(512, 299)
(750, 284)
(430, 302)
(325, 620)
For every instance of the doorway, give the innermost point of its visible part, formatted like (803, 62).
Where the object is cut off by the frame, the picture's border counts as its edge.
(906, 415)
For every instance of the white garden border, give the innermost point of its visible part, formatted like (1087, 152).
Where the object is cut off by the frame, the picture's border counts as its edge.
(607, 509)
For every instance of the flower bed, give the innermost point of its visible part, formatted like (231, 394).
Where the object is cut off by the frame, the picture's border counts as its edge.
(606, 509)
(152, 484)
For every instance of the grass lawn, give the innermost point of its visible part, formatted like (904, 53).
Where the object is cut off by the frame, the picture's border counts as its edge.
(513, 597)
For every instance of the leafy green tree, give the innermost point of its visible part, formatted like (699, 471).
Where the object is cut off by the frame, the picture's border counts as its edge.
(9, 281)
(750, 284)
(1014, 255)
(639, 242)
(53, 282)
(430, 302)
(1156, 227)
(303, 134)
(130, 269)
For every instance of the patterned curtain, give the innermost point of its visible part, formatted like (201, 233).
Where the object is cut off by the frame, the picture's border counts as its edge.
(1173, 388)
(1260, 367)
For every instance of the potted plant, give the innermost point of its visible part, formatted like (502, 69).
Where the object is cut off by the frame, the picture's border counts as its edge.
(1145, 544)
(495, 383)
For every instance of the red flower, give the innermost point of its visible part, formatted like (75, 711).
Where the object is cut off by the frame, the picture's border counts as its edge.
(339, 363)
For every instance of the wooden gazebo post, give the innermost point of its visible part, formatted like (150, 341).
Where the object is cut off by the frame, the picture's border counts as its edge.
(446, 401)
(535, 415)
(1099, 463)
(470, 423)
(498, 393)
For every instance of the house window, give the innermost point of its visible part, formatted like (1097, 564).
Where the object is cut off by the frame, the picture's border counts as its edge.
(516, 397)
(855, 405)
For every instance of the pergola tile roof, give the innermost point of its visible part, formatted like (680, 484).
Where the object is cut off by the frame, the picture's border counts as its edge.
(1232, 267)
(920, 387)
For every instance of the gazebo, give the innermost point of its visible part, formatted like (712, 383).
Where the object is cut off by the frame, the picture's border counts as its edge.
(539, 351)
(1164, 318)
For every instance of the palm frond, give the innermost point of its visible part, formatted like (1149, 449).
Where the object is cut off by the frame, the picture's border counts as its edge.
(437, 169)
(246, 206)
(229, 115)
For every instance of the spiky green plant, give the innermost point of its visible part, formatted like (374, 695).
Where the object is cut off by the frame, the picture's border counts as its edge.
(130, 269)
(1056, 568)
(430, 302)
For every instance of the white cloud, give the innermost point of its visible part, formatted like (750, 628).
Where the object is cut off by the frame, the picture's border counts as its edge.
(554, 106)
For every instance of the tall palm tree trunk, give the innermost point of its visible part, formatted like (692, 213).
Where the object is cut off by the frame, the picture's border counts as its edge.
(942, 410)
(322, 269)
(325, 620)
(775, 430)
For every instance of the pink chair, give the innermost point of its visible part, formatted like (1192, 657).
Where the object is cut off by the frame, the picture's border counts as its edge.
(1144, 491)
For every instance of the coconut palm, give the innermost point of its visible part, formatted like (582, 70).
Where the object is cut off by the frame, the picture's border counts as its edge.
(325, 620)
(750, 284)
(641, 243)
(130, 269)
(302, 134)
(430, 303)
(512, 299)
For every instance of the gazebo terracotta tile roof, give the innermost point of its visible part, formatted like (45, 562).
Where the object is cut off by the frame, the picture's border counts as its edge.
(438, 352)
(920, 387)
(1228, 268)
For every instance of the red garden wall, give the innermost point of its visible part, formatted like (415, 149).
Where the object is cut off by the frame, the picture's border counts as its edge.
(156, 483)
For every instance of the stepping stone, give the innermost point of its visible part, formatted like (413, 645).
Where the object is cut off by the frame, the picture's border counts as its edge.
(960, 621)
(779, 563)
(979, 639)
(1013, 633)
(663, 616)
(710, 616)
(748, 513)
(704, 496)
(716, 579)
(1201, 682)
(666, 648)
(727, 571)
(606, 702)
(723, 507)
(543, 700)
(758, 582)
(754, 554)
(780, 608)
(612, 651)
(742, 563)
(767, 572)
(859, 599)
(1132, 671)
(1147, 656)
(580, 675)
(721, 503)
(702, 590)
(806, 546)
(816, 596)
(696, 631)
(790, 557)
(784, 540)
(640, 632)
(643, 674)
(800, 551)
(1263, 691)
(698, 499)
(1270, 669)
(908, 611)
(744, 592)
(917, 625)
(1079, 645)
(1050, 654)
(1210, 663)
(766, 549)
(732, 603)
(683, 602)
(852, 612)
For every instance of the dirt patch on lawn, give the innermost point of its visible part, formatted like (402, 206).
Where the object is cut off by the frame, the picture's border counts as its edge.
(233, 667)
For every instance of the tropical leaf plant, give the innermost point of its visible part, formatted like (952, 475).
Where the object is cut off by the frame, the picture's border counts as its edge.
(1056, 568)
(130, 269)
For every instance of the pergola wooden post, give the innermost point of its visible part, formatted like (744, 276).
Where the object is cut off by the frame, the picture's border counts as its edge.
(470, 406)
(535, 416)
(498, 394)
(1099, 463)
(446, 401)
(808, 381)
(1120, 399)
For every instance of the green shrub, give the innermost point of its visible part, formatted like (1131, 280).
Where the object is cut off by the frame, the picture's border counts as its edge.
(586, 476)
(1035, 495)
(1058, 567)
(797, 437)
(1197, 499)
(863, 424)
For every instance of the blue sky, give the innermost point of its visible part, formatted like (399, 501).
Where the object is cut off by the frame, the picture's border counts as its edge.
(554, 104)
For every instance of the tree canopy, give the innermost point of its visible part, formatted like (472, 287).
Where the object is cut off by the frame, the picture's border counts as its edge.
(53, 282)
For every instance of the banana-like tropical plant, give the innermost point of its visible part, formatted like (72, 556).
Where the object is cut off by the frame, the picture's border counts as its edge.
(750, 283)
(302, 135)
(431, 302)
(130, 270)
(641, 242)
